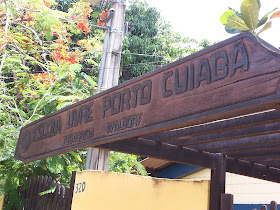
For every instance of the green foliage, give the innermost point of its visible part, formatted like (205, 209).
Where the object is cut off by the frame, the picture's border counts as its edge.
(47, 62)
(247, 19)
(232, 21)
(250, 13)
(52, 190)
(126, 163)
(33, 83)
(153, 38)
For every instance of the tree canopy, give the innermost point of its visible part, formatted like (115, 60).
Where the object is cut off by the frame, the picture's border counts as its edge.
(150, 41)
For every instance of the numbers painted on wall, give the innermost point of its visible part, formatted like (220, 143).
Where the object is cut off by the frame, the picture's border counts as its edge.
(80, 187)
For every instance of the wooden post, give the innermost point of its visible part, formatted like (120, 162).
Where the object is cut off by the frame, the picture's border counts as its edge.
(273, 205)
(98, 159)
(227, 202)
(263, 207)
(217, 184)
(71, 191)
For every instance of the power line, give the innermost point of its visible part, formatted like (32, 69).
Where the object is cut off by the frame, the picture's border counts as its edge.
(139, 54)
(135, 64)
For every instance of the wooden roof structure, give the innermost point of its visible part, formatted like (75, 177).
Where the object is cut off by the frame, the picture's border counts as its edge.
(217, 105)
(246, 134)
(217, 108)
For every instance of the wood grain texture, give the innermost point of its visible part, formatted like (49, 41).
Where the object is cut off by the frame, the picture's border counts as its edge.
(177, 154)
(51, 201)
(226, 202)
(234, 77)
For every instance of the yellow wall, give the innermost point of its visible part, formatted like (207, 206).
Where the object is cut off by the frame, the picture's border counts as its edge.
(106, 190)
(1, 201)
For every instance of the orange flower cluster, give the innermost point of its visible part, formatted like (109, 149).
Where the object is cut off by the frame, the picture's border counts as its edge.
(44, 78)
(61, 54)
(80, 14)
(28, 17)
(47, 4)
(4, 40)
(103, 16)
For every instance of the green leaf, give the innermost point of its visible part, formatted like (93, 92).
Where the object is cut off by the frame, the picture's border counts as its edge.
(76, 156)
(267, 26)
(238, 13)
(67, 98)
(56, 164)
(259, 2)
(264, 18)
(52, 190)
(62, 76)
(48, 34)
(13, 59)
(232, 31)
(250, 13)
(89, 79)
(232, 21)
(94, 14)
(5, 97)
(62, 105)
(75, 67)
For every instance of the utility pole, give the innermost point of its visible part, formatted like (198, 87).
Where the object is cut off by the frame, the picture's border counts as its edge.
(98, 159)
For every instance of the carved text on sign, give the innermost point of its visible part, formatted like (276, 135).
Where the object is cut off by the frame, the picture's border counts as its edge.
(201, 87)
(47, 129)
(78, 116)
(127, 99)
(207, 70)
(123, 124)
(78, 137)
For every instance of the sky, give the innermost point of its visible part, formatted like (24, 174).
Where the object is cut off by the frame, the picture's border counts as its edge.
(200, 19)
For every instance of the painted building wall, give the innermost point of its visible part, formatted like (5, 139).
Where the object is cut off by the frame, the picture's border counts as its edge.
(106, 190)
(246, 190)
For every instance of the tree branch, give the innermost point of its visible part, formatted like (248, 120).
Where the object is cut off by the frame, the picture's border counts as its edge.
(33, 31)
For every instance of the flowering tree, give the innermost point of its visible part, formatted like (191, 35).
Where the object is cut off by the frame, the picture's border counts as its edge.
(41, 70)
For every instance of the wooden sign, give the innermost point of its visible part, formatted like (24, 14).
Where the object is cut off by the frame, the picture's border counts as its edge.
(192, 90)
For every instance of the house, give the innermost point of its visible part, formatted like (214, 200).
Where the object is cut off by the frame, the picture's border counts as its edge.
(248, 193)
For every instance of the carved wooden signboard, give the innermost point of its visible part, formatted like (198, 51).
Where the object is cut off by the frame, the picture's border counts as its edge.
(189, 91)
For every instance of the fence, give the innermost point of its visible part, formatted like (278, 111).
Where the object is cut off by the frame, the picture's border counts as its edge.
(273, 206)
(59, 200)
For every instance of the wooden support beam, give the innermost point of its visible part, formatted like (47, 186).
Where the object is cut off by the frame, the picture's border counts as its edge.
(263, 207)
(71, 191)
(227, 202)
(229, 135)
(243, 167)
(219, 126)
(164, 151)
(177, 154)
(217, 146)
(217, 184)
(273, 205)
(249, 148)
(264, 159)
(256, 153)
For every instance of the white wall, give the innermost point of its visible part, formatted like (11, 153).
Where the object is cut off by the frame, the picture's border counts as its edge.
(246, 190)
